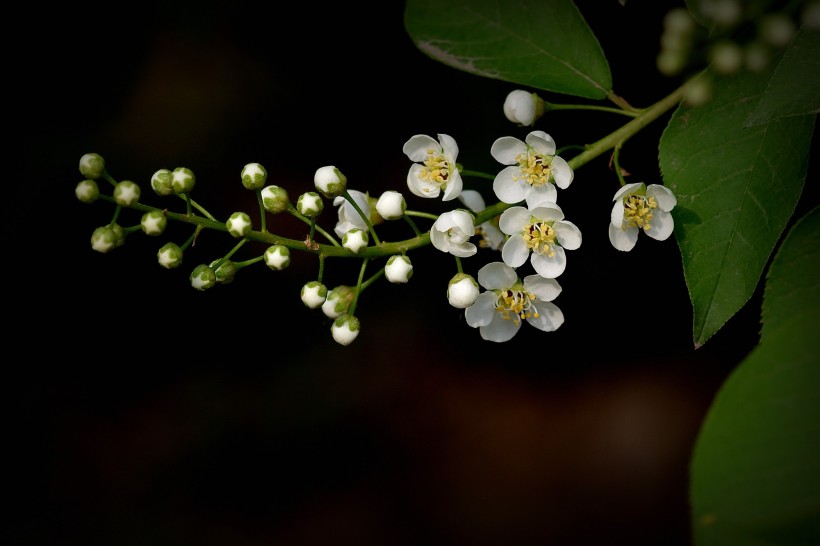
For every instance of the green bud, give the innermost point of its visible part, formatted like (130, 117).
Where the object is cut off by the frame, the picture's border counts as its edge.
(277, 257)
(275, 199)
(126, 193)
(153, 223)
(92, 166)
(182, 180)
(239, 224)
(330, 181)
(161, 182)
(107, 238)
(226, 272)
(87, 191)
(254, 176)
(310, 204)
(203, 277)
(170, 256)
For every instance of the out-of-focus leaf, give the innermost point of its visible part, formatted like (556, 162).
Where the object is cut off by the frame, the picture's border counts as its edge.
(737, 188)
(755, 473)
(544, 45)
(795, 87)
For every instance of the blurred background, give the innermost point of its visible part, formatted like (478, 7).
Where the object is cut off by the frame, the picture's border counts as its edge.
(145, 412)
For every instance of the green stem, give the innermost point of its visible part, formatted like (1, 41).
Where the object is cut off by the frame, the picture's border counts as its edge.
(421, 214)
(227, 256)
(478, 174)
(458, 264)
(632, 112)
(412, 225)
(353, 202)
(262, 211)
(313, 226)
(240, 265)
(352, 309)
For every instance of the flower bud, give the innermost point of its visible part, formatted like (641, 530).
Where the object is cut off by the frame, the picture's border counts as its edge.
(170, 256)
(254, 176)
(87, 191)
(92, 166)
(310, 204)
(203, 277)
(126, 193)
(106, 238)
(182, 180)
(330, 181)
(161, 182)
(345, 329)
(277, 257)
(523, 107)
(153, 223)
(225, 273)
(314, 294)
(398, 269)
(355, 240)
(275, 199)
(462, 291)
(239, 224)
(391, 205)
(338, 301)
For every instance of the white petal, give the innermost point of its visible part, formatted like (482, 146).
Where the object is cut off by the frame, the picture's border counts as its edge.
(627, 190)
(515, 251)
(472, 200)
(549, 317)
(562, 173)
(513, 220)
(439, 240)
(500, 330)
(536, 195)
(505, 150)
(497, 276)
(616, 217)
(544, 289)
(548, 212)
(449, 147)
(662, 225)
(663, 195)
(418, 187)
(568, 234)
(463, 220)
(454, 185)
(481, 312)
(416, 148)
(623, 239)
(547, 267)
(541, 142)
(506, 188)
(464, 250)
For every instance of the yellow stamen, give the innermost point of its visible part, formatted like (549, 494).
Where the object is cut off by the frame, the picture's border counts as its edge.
(540, 238)
(638, 211)
(534, 168)
(515, 304)
(436, 169)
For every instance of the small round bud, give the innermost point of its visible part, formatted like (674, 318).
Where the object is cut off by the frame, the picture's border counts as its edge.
(126, 193)
(777, 29)
(87, 191)
(330, 181)
(462, 291)
(170, 256)
(313, 294)
(345, 329)
(338, 301)
(254, 176)
(275, 199)
(355, 240)
(277, 257)
(310, 204)
(92, 166)
(153, 223)
(239, 224)
(726, 57)
(810, 15)
(182, 180)
(203, 277)
(225, 273)
(399, 269)
(105, 239)
(391, 205)
(670, 62)
(679, 21)
(161, 182)
(523, 107)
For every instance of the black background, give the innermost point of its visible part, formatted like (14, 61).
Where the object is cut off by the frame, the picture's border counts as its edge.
(145, 412)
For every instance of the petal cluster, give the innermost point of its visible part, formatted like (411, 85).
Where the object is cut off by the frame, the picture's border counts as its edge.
(638, 207)
(435, 170)
(451, 233)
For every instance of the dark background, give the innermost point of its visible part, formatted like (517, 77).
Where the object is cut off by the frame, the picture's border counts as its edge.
(144, 412)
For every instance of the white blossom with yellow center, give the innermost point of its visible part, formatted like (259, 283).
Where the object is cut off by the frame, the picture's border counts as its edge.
(533, 169)
(451, 233)
(435, 167)
(637, 208)
(507, 302)
(540, 234)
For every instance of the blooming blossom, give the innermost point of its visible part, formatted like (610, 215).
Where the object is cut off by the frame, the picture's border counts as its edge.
(491, 236)
(533, 172)
(507, 302)
(435, 169)
(639, 207)
(451, 233)
(541, 234)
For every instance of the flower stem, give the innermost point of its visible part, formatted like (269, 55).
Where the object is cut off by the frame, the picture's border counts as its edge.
(353, 202)
(478, 174)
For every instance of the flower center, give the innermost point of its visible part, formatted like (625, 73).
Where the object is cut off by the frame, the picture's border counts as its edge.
(638, 211)
(515, 304)
(540, 238)
(436, 169)
(534, 168)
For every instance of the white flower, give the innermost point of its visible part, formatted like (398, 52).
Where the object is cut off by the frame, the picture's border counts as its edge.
(523, 107)
(391, 205)
(541, 234)
(345, 329)
(313, 294)
(398, 269)
(355, 240)
(435, 168)
(330, 181)
(491, 236)
(640, 207)
(533, 172)
(499, 311)
(462, 291)
(451, 233)
(349, 217)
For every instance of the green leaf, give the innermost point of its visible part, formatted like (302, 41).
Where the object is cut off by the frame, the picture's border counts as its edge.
(795, 87)
(755, 472)
(737, 188)
(544, 45)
